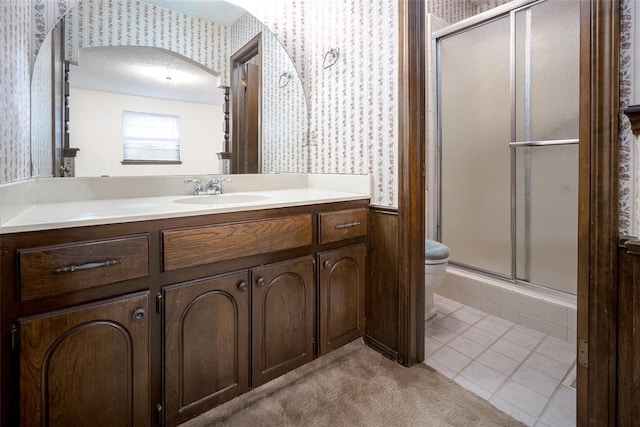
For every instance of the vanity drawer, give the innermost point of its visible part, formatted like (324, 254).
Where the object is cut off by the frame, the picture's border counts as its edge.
(340, 225)
(205, 245)
(53, 270)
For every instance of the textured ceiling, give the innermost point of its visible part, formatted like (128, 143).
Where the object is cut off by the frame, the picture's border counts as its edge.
(144, 71)
(212, 10)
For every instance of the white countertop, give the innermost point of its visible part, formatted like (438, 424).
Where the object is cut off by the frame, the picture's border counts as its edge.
(76, 213)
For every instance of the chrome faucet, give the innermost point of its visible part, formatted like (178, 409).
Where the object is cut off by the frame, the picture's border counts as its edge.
(214, 186)
(198, 188)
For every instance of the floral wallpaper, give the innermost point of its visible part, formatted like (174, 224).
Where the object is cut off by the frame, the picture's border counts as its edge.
(41, 114)
(284, 109)
(628, 202)
(454, 11)
(45, 14)
(15, 30)
(352, 104)
(451, 11)
(133, 23)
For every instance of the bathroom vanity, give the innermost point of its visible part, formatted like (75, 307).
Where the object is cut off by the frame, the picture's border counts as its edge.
(183, 311)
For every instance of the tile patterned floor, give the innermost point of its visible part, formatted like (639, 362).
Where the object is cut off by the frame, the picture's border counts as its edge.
(517, 369)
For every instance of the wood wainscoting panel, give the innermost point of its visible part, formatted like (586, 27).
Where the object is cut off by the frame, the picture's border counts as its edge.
(628, 333)
(382, 294)
(205, 245)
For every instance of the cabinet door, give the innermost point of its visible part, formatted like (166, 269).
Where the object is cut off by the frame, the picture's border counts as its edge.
(342, 283)
(282, 317)
(206, 353)
(86, 366)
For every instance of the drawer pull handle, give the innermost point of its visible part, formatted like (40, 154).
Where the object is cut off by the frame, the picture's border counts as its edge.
(348, 225)
(242, 286)
(260, 282)
(89, 266)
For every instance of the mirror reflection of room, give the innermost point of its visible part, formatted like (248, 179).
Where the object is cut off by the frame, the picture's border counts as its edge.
(172, 70)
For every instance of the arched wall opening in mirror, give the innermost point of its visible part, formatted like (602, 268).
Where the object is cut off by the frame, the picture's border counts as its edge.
(128, 24)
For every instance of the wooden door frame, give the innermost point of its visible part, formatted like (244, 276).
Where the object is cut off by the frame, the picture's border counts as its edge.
(253, 48)
(598, 199)
(598, 221)
(411, 173)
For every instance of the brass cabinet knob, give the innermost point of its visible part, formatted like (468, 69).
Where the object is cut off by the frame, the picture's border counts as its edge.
(328, 264)
(243, 286)
(260, 282)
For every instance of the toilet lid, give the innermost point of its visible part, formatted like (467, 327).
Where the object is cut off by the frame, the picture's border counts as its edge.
(435, 251)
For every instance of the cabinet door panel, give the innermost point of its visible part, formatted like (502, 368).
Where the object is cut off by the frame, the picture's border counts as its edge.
(342, 288)
(283, 315)
(86, 366)
(206, 344)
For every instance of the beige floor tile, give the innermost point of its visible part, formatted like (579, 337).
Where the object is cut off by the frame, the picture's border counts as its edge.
(523, 398)
(547, 366)
(451, 359)
(481, 337)
(510, 349)
(492, 327)
(536, 381)
(523, 340)
(484, 377)
(498, 362)
(466, 346)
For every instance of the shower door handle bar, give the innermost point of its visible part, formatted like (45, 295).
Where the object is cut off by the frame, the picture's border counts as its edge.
(543, 143)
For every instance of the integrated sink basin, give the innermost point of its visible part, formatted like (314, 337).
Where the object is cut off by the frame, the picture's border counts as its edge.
(223, 199)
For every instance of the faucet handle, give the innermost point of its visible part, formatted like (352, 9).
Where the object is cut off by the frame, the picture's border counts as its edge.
(219, 180)
(197, 182)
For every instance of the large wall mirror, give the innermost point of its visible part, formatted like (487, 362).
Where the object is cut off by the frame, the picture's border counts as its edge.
(163, 87)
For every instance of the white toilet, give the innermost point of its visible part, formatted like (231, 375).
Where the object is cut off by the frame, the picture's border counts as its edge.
(435, 268)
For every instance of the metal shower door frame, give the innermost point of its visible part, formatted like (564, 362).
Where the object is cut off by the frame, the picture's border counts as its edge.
(510, 9)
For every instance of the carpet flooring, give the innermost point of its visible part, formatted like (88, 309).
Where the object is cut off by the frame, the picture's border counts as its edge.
(356, 386)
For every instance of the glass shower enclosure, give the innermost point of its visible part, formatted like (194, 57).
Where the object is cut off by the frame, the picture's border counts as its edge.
(508, 93)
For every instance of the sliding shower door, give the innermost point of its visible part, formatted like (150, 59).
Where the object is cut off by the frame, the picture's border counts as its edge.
(474, 102)
(508, 129)
(546, 81)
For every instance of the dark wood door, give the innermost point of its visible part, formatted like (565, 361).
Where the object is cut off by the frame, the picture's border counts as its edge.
(342, 296)
(206, 350)
(246, 109)
(282, 317)
(251, 160)
(87, 365)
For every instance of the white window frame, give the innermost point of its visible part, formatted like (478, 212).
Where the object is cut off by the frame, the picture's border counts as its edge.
(147, 140)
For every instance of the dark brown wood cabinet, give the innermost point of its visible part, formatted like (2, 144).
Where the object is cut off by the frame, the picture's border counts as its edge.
(342, 296)
(87, 365)
(283, 313)
(207, 333)
(235, 304)
(206, 344)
